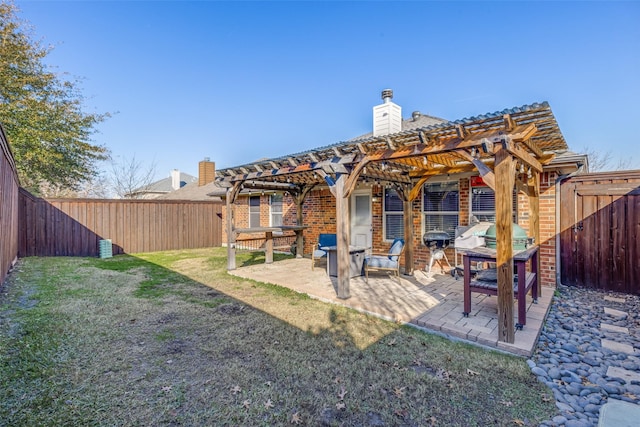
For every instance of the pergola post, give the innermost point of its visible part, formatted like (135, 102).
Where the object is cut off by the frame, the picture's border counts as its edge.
(534, 218)
(231, 234)
(343, 236)
(408, 237)
(505, 180)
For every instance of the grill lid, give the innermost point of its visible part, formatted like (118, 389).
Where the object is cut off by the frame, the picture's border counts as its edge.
(435, 235)
(436, 239)
(518, 232)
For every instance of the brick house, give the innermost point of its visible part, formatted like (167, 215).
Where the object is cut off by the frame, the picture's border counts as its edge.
(450, 193)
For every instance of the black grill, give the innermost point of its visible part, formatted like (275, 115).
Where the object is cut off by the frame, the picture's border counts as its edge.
(437, 241)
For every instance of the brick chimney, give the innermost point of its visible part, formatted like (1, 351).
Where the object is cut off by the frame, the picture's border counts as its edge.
(206, 172)
(387, 117)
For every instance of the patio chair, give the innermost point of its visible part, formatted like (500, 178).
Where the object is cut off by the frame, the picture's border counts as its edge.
(324, 239)
(385, 261)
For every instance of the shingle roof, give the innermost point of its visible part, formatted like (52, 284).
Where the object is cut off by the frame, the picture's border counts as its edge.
(165, 185)
(193, 191)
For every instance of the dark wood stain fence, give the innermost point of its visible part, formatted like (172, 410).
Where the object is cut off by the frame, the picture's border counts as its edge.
(600, 231)
(9, 186)
(74, 227)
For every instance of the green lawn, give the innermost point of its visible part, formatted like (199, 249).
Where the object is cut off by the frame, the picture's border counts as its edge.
(170, 339)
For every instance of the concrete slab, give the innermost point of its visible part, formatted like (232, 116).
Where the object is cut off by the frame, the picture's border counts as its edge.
(617, 413)
(615, 313)
(625, 374)
(617, 346)
(614, 328)
(614, 299)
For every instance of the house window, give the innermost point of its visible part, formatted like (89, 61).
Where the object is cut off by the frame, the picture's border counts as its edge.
(393, 215)
(254, 211)
(483, 204)
(440, 207)
(276, 210)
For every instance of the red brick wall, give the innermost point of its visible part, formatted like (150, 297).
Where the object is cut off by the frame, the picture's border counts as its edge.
(548, 228)
(319, 212)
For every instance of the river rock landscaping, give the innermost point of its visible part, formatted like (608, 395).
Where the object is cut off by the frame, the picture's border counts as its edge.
(588, 353)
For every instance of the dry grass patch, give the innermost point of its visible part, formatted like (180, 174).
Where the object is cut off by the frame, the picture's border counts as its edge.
(171, 339)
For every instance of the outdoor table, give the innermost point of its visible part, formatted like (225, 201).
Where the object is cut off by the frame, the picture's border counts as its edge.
(526, 279)
(268, 236)
(356, 260)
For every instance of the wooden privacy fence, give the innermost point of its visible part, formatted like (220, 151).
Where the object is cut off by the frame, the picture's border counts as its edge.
(600, 231)
(8, 208)
(74, 227)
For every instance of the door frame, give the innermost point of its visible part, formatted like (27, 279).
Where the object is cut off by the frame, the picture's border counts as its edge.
(352, 198)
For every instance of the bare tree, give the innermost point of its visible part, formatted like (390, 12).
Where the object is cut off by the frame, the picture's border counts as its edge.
(130, 178)
(604, 161)
(96, 187)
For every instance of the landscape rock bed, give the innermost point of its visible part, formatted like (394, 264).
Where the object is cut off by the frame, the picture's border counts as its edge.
(587, 354)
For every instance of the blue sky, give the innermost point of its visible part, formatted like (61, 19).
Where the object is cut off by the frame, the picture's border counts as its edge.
(238, 81)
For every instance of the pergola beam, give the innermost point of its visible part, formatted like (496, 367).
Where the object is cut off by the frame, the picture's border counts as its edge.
(485, 172)
(523, 155)
(474, 140)
(305, 167)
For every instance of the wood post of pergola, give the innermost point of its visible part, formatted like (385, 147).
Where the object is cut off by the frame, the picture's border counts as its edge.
(342, 235)
(232, 194)
(408, 194)
(505, 180)
(534, 217)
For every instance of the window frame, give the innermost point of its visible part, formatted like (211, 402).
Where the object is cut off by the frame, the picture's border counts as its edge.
(490, 213)
(271, 210)
(386, 213)
(252, 212)
(453, 214)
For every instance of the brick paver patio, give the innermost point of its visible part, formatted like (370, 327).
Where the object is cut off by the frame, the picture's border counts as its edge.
(433, 302)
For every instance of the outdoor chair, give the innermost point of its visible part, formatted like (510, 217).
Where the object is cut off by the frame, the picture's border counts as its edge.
(385, 261)
(324, 239)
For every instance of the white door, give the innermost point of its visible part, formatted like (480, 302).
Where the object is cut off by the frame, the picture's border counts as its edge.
(361, 229)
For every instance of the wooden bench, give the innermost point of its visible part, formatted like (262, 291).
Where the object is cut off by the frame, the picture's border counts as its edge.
(480, 284)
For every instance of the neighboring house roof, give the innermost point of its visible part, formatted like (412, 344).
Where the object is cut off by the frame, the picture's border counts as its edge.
(193, 191)
(164, 185)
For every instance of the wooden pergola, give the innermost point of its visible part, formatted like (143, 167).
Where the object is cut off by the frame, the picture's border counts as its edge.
(507, 148)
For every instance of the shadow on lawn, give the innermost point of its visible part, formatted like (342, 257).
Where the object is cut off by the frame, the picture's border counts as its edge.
(207, 270)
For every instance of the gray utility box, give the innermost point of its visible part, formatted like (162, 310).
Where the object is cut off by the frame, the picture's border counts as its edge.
(106, 250)
(356, 260)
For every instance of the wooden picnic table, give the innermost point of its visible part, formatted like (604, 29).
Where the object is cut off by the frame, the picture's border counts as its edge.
(268, 233)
